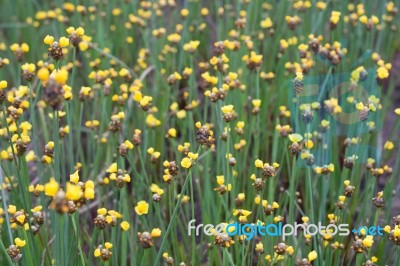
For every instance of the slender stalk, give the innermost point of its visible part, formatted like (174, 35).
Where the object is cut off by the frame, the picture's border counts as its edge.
(81, 254)
(173, 217)
(4, 200)
(3, 248)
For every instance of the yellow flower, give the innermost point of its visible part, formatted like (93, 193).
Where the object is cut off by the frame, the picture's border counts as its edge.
(266, 23)
(12, 209)
(51, 188)
(335, 16)
(387, 229)
(68, 92)
(299, 76)
(368, 241)
(256, 102)
(156, 232)
(241, 196)
(264, 203)
(220, 179)
(126, 178)
(191, 46)
(309, 144)
(128, 144)
(227, 108)
(73, 192)
(186, 163)
(290, 250)
(259, 247)
(43, 74)
(63, 42)
(382, 72)
(258, 163)
(113, 168)
(257, 200)
(89, 193)
(318, 170)
(152, 121)
(295, 137)
(142, 207)
(214, 60)
(19, 243)
(123, 72)
(305, 219)
(255, 58)
(204, 11)
(156, 189)
(50, 144)
(3, 84)
(108, 245)
(74, 178)
(312, 255)
(97, 252)
(172, 132)
(397, 111)
(28, 67)
(21, 218)
(92, 124)
(85, 91)
(60, 76)
(364, 19)
(193, 156)
(240, 124)
(125, 226)
(37, 209)
(83, 46)
(174, 37)
(388, 145)
(372, 107)
(102, 211)
(184, 12)
(396, 231)
(48, 40)
(79, 31)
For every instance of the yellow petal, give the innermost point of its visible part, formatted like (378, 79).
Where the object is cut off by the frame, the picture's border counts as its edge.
(295, 137)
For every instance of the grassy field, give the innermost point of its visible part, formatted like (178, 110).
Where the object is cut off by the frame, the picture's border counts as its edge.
(122, 121)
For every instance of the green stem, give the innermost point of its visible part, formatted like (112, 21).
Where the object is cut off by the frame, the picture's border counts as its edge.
(173, 217)
(193, 217)
(3, 248)
(27, 248)
(3, 196)
(77, 239)
(228, 256)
